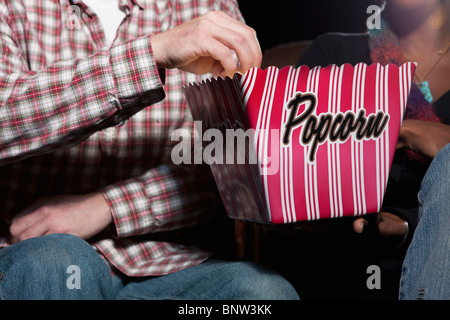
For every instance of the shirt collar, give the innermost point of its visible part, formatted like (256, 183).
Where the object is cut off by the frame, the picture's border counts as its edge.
(140, 3)
(123, 3)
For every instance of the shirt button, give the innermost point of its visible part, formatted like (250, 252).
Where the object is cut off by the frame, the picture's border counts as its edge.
(110, 132)
(119, 120)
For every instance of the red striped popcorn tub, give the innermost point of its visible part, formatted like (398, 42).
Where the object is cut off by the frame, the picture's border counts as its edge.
(299, 144)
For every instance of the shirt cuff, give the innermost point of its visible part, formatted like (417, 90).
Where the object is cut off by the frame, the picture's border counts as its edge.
(130, 208)
(138, 80)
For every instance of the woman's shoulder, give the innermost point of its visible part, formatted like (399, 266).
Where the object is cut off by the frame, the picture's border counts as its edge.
(337, 48)
(340, 38)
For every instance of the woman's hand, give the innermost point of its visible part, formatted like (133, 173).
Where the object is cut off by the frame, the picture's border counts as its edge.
(388, 224)
(423, 137)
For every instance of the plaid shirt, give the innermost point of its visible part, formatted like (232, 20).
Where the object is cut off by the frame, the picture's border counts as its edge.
(77, 116)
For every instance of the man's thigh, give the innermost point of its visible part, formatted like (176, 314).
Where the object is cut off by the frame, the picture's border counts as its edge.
(57, 266)
(212, 279)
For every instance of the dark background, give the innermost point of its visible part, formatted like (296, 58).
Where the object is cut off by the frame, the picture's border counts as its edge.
(281, 21)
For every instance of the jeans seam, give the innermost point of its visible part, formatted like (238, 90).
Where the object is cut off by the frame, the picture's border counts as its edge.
(421, 294)
(2, 277)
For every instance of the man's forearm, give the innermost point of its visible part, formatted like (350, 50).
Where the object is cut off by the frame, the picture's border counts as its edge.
(67, 102)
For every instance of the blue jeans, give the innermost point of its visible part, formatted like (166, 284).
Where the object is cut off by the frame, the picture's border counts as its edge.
(57, 266)
(212, 279)
(62, 266)
(426, 268)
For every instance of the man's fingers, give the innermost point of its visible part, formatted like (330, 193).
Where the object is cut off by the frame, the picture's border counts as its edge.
(26, 218)
(36, 230)
(233, 52)
(225, 63)
(208, 44)
(244, 41)
(29, 226)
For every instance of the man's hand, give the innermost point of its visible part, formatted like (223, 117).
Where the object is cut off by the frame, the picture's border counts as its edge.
(207, 44)
(80, 215)
(424, 137)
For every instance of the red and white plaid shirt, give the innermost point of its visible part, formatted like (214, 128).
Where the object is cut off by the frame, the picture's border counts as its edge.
(77, 116)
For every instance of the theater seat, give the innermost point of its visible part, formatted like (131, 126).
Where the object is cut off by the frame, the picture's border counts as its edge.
(284, 54)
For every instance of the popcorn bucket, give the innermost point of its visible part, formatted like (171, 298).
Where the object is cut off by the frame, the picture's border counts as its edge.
(299, 144)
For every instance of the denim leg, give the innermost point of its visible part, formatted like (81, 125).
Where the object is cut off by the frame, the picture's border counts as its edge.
(426, 268)
(58, 266)
(212, 279)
